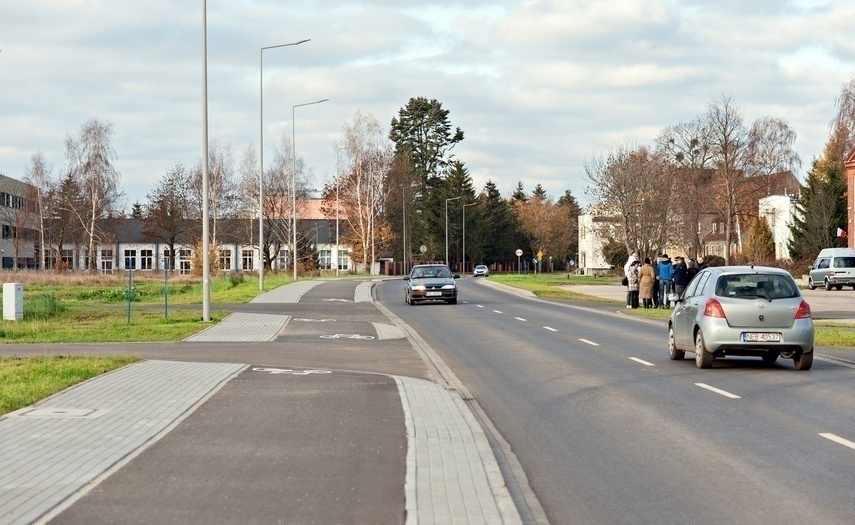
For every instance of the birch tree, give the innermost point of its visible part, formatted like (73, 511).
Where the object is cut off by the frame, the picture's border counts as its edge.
(40, 176)
(90, 158)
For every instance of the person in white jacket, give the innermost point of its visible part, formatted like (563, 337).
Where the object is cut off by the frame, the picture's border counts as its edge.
(632, 258)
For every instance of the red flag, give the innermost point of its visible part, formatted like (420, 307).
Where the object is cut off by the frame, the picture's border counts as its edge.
(841, 232)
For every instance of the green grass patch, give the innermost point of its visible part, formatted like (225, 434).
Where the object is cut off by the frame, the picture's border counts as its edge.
(550, 284)
(90, 325)
(26, 380)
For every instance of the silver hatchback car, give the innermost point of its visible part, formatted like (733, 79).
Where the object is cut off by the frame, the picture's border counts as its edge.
(742, 310)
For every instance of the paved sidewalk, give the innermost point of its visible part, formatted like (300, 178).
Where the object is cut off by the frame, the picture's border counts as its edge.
(53, 453)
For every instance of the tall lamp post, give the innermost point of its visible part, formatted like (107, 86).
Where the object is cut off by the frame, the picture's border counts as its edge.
(464, 233)
(446, 226)
(294, 184)
(206, 243)
(261, 157)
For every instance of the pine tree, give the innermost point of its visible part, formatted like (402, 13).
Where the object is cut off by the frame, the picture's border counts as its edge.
(821, 210)
(761, 243)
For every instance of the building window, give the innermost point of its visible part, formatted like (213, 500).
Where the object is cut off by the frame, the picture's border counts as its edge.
(106, 261)
(283, 259)
(68, 258)
(325, 259)
(146, 259)
(130, 259)
(184, 262)
(343, 260)
(225, 259)
(582, 232)
(246, 259)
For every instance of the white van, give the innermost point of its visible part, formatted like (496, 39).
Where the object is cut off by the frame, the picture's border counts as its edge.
(833, 268)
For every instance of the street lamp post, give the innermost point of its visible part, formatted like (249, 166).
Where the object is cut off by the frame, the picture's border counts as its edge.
(261, 157)
(446, 226)
(464, 233)
(294, 184)
(206, 255)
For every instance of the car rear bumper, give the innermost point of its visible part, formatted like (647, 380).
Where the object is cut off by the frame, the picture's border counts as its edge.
(721, 338)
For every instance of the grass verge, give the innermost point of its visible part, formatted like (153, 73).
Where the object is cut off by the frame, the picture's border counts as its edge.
(25, 380)
(550, 284)
(94, 308)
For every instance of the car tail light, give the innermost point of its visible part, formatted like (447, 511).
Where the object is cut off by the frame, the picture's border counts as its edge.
(803, 311)
(713, 309)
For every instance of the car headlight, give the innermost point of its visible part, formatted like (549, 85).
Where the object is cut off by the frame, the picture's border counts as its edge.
(448, 287)
(419, 287)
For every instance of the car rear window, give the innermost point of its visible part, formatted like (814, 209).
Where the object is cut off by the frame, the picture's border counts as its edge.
(844, 262)
(752, 285)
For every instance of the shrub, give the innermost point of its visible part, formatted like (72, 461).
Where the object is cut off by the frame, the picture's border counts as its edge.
(236, 279)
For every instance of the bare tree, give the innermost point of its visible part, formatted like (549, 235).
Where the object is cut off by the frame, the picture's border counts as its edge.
(744, 159)
(687, 145)
(40, 176)
(166, 212)
(367, 157)
(222, 187)
(634, 186)
(90, 157)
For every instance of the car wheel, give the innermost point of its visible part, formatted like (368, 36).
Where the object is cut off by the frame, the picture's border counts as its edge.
(703, 359)
(673, 353)
(452, 301)
(812, 286)
(827, 286)
(770, 357)
(803, 360)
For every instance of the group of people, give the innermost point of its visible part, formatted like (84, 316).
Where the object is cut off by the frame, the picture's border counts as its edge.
(652, 282)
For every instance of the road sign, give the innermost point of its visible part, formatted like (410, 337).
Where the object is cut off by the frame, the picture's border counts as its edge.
(423, 248)
(539, 254)
(519, 252)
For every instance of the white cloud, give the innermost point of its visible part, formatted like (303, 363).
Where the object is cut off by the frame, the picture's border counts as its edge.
(538, 87)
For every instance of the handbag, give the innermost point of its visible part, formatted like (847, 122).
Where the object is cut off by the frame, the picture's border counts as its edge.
(624, 281)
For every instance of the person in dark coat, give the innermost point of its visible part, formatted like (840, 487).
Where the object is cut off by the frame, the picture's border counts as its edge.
(691, 271)
(681, 278)
(701, 263)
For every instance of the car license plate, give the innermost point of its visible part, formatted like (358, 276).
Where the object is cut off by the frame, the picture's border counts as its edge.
(761, 337)
(433, 294)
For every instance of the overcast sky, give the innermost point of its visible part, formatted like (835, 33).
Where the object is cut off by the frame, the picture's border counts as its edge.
(538, 87)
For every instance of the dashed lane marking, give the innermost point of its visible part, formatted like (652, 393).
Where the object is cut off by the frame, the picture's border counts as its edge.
(498, 311)
(521, 319)
(643, 362)
(589, 342)
(718, 391)
(550, 328)
(838, 439)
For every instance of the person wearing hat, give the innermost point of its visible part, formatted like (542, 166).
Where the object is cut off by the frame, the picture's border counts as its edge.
(666, 273)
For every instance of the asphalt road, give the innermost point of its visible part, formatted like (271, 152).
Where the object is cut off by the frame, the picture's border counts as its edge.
(609, 430)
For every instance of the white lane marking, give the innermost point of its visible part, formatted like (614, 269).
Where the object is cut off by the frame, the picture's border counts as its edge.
(498, 311)
(550, 328)
(521, 319)
(589, 342)
(291, 372)
(838, 439)
(480, 306)
(718, 391)
(645, 363)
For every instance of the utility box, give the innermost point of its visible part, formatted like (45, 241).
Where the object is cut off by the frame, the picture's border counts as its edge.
(13, 301)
